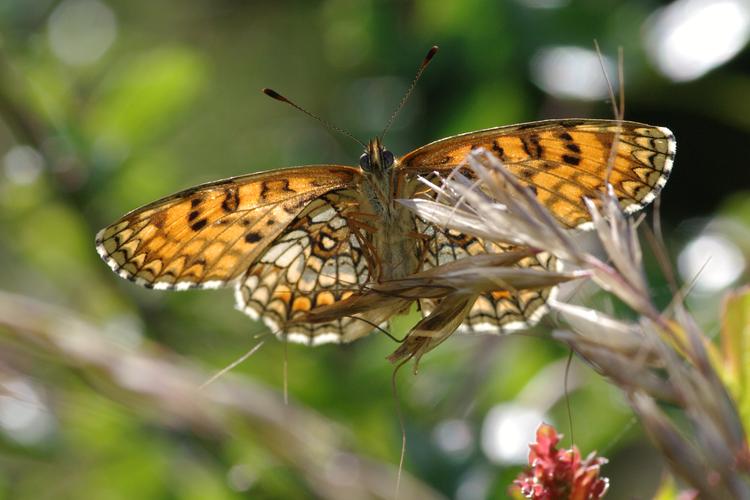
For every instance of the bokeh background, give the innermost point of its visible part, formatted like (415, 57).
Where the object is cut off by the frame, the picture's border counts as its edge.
(109, 104)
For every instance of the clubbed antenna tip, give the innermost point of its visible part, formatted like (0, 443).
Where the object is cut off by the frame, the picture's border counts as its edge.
(275, 95)
(430, 54)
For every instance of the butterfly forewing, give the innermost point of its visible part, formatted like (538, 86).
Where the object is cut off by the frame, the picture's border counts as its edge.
(566, 160)
(562, 161)
(209, 235)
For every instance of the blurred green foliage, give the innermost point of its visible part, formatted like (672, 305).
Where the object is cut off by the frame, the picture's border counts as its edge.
(173, 102)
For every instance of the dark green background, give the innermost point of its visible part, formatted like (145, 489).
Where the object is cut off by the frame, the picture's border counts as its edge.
(175, 102)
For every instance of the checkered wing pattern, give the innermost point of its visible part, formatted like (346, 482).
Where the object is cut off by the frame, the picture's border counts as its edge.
(499, 311)
(317, 261)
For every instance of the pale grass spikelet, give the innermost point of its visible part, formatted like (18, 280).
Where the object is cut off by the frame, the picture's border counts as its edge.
(661, 358)
(509, 213)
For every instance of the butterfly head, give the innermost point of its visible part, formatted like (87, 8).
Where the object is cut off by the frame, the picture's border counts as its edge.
(376, 158)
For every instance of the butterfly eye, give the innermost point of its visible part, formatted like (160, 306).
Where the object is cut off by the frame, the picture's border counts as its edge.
(387, 158)
(364, 161)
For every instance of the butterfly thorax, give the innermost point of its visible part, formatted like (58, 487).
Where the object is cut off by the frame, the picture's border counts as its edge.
(392, 225)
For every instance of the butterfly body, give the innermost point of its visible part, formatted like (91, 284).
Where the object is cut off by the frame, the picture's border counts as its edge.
(391, 225)
(293, 240)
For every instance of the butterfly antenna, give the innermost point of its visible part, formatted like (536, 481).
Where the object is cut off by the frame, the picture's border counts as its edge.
(275, 95)
(430, 54)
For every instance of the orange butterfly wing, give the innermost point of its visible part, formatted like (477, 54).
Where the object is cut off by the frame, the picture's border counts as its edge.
(565, 160)
(562, 161)
(209, 235)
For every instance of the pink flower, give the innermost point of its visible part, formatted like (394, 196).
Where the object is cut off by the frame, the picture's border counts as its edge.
(559, 474)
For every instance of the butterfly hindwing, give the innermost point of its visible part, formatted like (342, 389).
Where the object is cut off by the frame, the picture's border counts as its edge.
(209, 235)
(499, 311)
(316, 261)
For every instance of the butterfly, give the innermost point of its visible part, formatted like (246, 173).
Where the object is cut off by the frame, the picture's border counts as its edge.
(296, 239)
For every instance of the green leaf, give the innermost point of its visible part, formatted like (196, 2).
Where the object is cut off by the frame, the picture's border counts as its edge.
(667, 489)
(735, 343)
